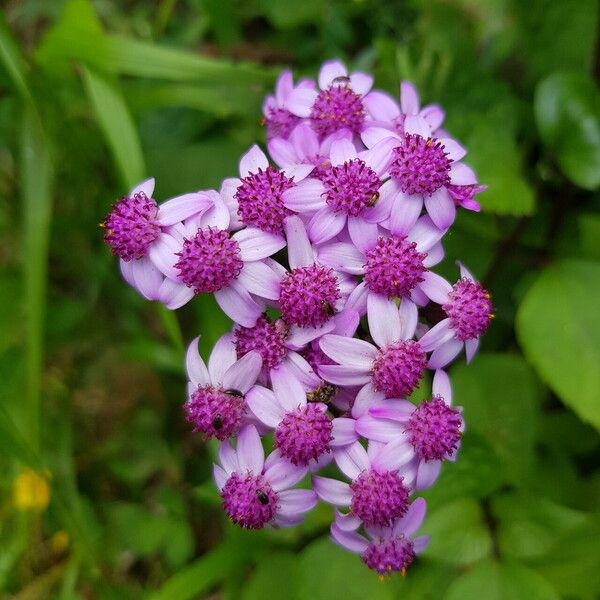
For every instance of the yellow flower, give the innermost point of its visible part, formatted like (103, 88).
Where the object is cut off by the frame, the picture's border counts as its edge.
(31, 490)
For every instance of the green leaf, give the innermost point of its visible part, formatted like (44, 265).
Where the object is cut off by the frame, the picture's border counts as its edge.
(555, 34)
(529, 526)
(274, 578)
(573, 564)
(458, 533)
(496, 158)
(11, 58)
(226, 560)
(589, 234)
(77, 37)
(499, 395)
(36, 186)
(117, 125)
(558, 326)
(477, 473)
(567, 112)
(497, 581)
(327, 571)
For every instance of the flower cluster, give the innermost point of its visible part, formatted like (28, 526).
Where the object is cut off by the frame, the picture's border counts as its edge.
(330, 338)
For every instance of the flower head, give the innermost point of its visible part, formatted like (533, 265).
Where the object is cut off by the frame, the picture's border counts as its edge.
(304, 431)
(216, 405)
(377, 494)
(427, 434)
(385, 550)
(278, 120)
(339, 102)
(255, 491)
(394, 367)
(469, 311)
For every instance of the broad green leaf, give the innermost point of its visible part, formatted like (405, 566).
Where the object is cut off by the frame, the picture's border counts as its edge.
(226, 560)
(117, 125)
(558, 326)
(555, 34)
(496, 158)
(36, 190)
(498, 581)
(275, 578)
(477, 473)
(573, 564)
(567, 112)
(529, 526)
(589, 235)
(458, 533)
(327, 571)
(499, 395)
(424, 580)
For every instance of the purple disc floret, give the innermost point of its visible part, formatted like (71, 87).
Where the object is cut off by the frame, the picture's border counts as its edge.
(351, 187)
(421, 166)
(131, 226)
(249, 500)
(209, 261)
(435, 429)
(259, 199)
(215, 412)
(309, 295)
(379, 497)
(266, 337)
(337, 107)
(304, 434)
(394, 267)
(399, 368)
(388, 556)
(469, 309)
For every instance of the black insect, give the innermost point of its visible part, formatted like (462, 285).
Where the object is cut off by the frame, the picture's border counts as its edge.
(235, 393)
(217, 422)
(327, 308)
(262, 497)
(341, 80)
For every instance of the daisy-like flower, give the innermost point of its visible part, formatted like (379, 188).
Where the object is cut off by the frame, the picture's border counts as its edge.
(425, 170)
(347, 191)
(310, 293)
(395, 366)
(377, 494)
(280, 344)
(216, 404)
(469, 311)
(134, 230)
(338, 104)
(431, 431)
(258, 193)
(210, 260)
(278, 120)
(393, 266)
(304, 432)
(255, 491)
(385, 550)
(387, 115)
(304, 148)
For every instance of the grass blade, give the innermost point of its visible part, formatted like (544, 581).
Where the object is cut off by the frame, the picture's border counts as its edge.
(36, 185)
(117, 125)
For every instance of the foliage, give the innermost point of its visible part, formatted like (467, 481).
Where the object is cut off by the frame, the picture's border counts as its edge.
(96, 95)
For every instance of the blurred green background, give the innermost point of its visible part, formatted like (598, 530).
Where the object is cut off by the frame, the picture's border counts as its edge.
(105, 493)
